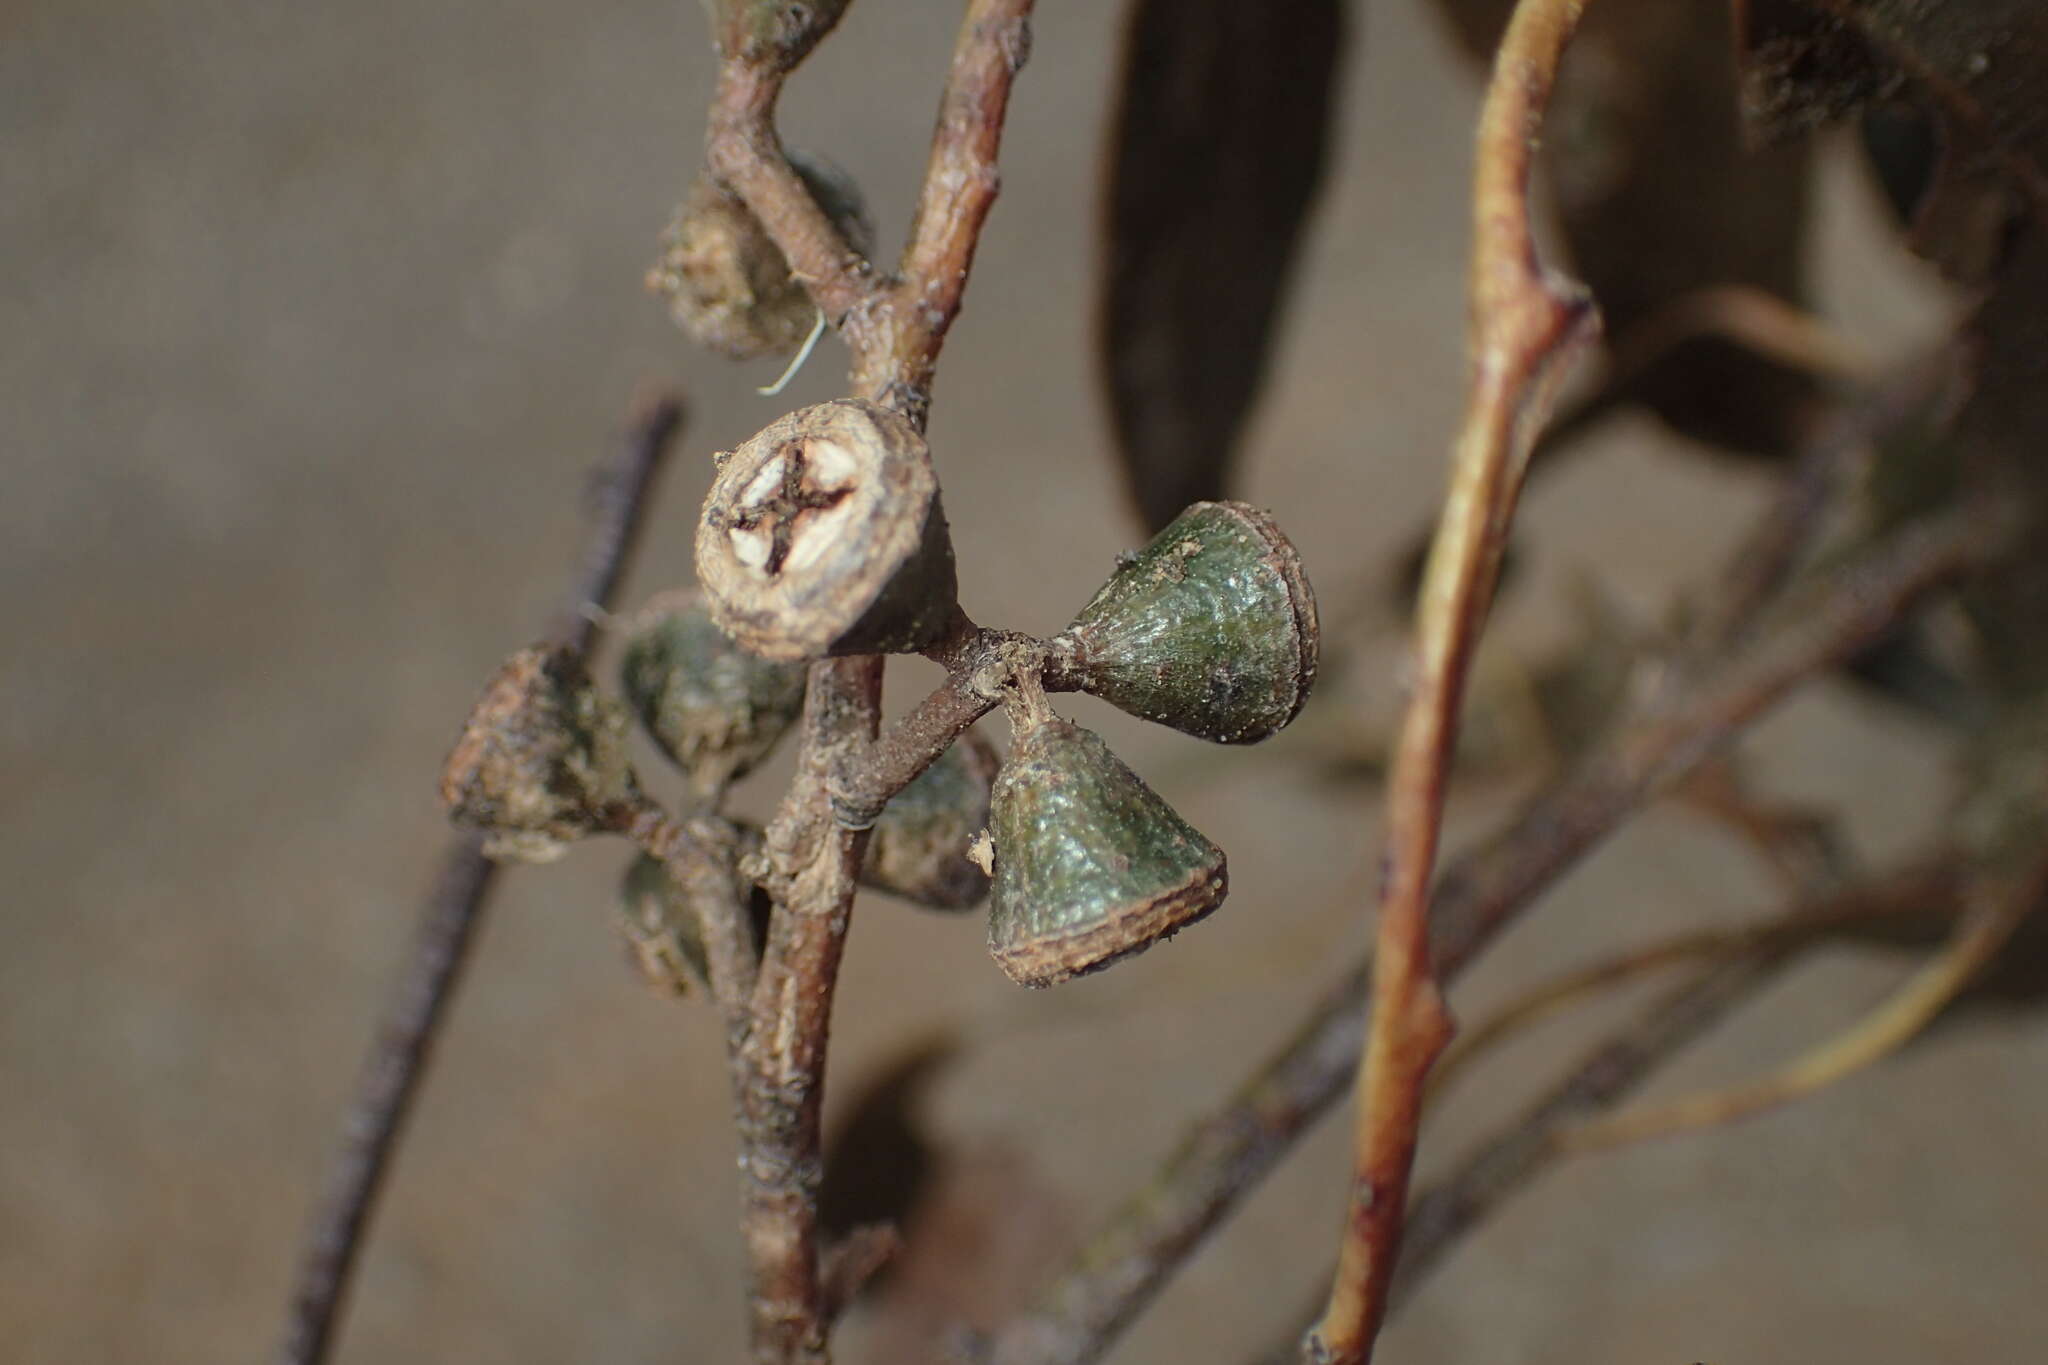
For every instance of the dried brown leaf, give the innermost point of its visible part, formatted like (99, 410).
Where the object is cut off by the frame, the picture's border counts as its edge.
(1660, 196)
(1981, 65)
(1217, 151)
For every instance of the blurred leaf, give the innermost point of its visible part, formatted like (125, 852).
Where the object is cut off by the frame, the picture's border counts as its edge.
(1661, 196)
(1218, 150)
(1981, 65)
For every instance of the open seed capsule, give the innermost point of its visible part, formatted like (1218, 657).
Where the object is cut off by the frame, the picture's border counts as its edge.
(919, 848)
(1090, 864)
(824, 535)
(714, 708)
(542, 760)
(1210, 629)
(728, 285)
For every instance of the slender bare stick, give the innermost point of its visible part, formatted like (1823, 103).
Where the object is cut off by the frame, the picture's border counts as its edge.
(814, 865)
(1548, 998)
(405, 1040)
(1229, 1151)
(1525, 1147)
(1614, 1068)
(744, 152)
(812, 858)
(960, 185)
(1527, 325)
(1978, 936)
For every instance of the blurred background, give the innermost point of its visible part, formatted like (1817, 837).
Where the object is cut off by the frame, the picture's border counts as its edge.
(315, 319)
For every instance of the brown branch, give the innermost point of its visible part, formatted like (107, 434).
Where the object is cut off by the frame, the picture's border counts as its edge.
(1231, 1150)
(1524, 1148)
(960, 185)
(812, 859)
(814, 864)
(703, 858)
(1527, 326)
(398, 1060)
(1617, 1066)
(1995, 912)
(978, 664)
(745, 153)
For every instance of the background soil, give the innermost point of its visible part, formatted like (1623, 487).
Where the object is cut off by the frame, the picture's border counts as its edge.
(314, 319)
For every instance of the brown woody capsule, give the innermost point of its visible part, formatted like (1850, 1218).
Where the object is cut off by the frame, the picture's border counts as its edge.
(1091, 865)
(1210, 629)
(542, 760)
(728, 285)
(919, 848)
(824, 535)
(714, 708)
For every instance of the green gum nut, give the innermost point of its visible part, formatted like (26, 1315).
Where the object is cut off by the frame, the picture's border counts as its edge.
(1210, 629)
(542, 760)
(661, 927)
(1090, 864)
(714, 708)
(919, 849)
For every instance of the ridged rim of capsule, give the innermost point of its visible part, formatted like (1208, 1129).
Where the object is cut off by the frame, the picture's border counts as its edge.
(1301, 600)
(1050, 959)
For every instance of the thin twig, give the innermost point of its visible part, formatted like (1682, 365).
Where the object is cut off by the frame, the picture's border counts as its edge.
(1614, 1068)
(815, 864)
(1228, 1152)
(1523, 1148)
(702, 855)
(1904, 1015)
(1527, 326)
(960, 185)
(743, 150)
(812, 858)
(397, 1063)
(1550, 997)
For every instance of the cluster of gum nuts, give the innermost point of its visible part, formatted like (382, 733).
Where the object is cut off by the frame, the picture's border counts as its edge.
(824, 535)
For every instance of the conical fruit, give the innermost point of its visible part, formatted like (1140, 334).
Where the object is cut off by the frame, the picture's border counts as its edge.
(1090, 864)
(714, 708)
(1210, 629)
(542, 760)
(919, 848)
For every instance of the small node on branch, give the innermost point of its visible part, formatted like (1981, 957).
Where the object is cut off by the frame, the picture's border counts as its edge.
(1091, 865)
(919, 849)
(775, 34)
(728, 285)
(714, 708)
(824, 535)
(1210, 629)
(542, 761)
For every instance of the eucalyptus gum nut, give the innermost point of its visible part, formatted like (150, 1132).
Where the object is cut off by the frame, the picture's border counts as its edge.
(728, 285)
(1210, 629)
(1091, 865)
(824, 535)
(919, 847)
(542, 760)
(661, 927)
(714, 708)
